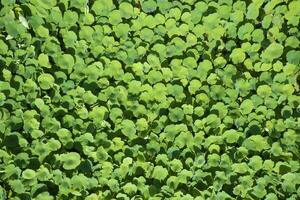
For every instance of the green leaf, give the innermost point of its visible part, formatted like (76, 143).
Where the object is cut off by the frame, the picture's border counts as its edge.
(176, 115)
(159, 173)
(153, 61)
(28, 174)
(212, 121)
(69, 19)
(65, 61)
(3, 48)
(148, 6)
(258, 35)
(142, 124)
(103, 7)
(240, 168)
(237, 56)
(246, 106)
(79, 3)
(256, 163)
(232, 136)
(89, 98)
(70, 160)
(46, 81)
(64, 135)
(184, 176)
(86, 33)
(113, 185)
(147, 34)
(245, 30)
(184, 139)
(122, 30)
(253, 10)
(126, 10)
(115, 17)
(154, 77)
(130, 188)
(259, 191)
(43, 60)
(273, 51)
(293, 57)
(17, 186)
(14, 29)
(256, 143)
(292, 41)
(276, 149)
(176, 165)
(98, 113)
(290, 181)
(264, 91)
(128, 129)
(42, 32)
(101, 154)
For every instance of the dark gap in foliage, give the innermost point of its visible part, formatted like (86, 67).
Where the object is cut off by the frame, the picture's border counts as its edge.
(52, 187)
(34, 163)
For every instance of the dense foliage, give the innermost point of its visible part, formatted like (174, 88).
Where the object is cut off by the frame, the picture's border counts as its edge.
(149, 99)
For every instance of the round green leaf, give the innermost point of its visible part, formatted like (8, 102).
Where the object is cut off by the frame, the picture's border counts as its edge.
(246, 107)
(28, 174)
(70, 160)
(273, 51)
(46, 81)
(159, 173)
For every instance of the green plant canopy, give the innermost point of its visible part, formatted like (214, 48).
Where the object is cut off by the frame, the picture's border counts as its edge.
(149, 99)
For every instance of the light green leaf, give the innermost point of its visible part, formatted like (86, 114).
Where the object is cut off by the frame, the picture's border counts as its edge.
(148, 6)
(128, 129)
(246, 106)
(70, 160)
(130, 188)
(103, 7)
(293, 57)
(237, 56)
(159, 173)
(256, 143)
(176, 115)
(28, 174)
(46, 81)
(273, 51)
(44, 60)
(264, 91)
(126, 10)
